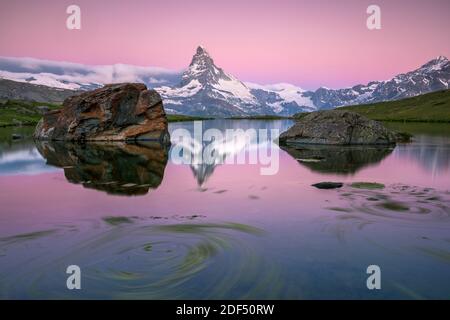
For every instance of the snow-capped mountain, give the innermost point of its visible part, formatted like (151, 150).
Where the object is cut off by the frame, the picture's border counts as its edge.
(206, 89)
(432, 76)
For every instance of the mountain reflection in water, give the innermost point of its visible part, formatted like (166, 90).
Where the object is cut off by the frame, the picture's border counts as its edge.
(115, 168)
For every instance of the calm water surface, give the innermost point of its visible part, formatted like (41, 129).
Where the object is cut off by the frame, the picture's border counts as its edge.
(141, 226)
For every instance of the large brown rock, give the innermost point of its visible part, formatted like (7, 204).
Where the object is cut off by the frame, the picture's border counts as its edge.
(116, 112)
(338, 127)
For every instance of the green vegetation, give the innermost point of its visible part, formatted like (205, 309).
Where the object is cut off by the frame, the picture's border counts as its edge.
(28, 236)
(261, 117)
(430, 107)
(394, 206)
(6, 133)
(180, 117)
(300, 115)
(419, 128)
(14, 112)
(27, 113)
(115, 221)
(367, 185)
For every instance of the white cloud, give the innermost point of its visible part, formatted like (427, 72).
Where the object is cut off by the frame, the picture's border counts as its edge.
(55, 73)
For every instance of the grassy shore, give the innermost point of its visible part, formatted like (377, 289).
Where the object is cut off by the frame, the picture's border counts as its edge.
(261, 117)
(180, 117)
(13, 113)
(430, 107)
(26, 113)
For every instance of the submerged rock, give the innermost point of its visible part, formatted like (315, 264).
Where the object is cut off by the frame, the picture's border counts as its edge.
(328, 185)
(16, 136)
(116, 112)
(367, 185)
(337, 127)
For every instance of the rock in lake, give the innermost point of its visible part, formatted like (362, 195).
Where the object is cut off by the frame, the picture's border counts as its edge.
(337, 127)
(116, 112)
(16, 136)
(328, 185)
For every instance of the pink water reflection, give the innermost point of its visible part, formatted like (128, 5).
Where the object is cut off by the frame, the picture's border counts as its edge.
(233, 192)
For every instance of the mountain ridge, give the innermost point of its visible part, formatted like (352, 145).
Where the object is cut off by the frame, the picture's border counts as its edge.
(204, 89)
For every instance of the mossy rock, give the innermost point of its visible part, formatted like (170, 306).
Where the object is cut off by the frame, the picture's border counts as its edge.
(367, 185)
(118, 220)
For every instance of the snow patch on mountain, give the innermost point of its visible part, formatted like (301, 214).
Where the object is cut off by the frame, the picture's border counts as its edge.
(287, 92)
(47, 79)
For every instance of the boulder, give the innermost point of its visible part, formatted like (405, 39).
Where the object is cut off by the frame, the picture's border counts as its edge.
(337, 127)
(328, 185)
(116, 112)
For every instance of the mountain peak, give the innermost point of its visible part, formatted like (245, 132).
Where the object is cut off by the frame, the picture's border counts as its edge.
(203, 69)
(201, 58)
(435, 64)
(201, 50)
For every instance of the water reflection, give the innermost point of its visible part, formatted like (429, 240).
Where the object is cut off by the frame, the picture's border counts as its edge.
(338, 159)
(115, 168)
(432, 153)
(219, 150)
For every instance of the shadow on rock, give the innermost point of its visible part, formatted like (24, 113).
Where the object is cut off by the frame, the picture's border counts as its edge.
(337, 159)
(115, 168)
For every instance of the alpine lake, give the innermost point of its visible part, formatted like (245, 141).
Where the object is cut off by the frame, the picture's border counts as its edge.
(142, 226)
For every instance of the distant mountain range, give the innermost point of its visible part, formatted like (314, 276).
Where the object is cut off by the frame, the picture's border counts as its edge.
(207, 90)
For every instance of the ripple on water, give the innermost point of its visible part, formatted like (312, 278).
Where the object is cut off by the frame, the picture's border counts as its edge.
(130, 258)
(397, 201)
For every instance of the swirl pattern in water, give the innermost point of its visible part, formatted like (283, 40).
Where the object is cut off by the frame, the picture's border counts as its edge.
(123, 257)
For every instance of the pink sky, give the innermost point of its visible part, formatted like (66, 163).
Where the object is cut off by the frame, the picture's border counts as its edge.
(308, 43)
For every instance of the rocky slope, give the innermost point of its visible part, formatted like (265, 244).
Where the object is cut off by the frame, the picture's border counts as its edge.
(13, 90)
(432, 76)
